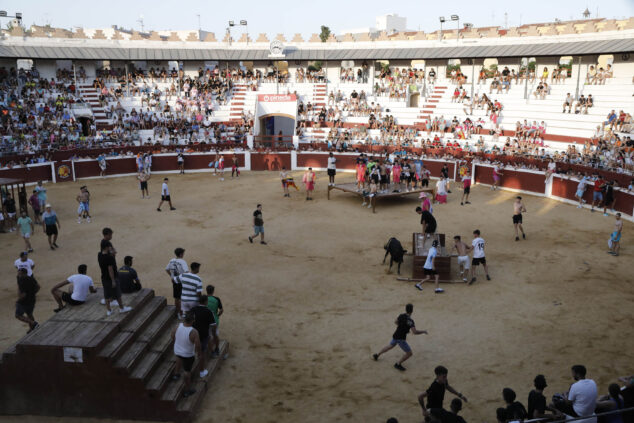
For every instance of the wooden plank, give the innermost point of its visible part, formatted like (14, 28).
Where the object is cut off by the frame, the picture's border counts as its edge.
(158, 323)
(116, 345)
(131, 356)
(161, 374)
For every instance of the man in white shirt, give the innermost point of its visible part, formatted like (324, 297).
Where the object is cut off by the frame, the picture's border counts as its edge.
(332, 169)
(581, 188)
(478, 256)
(165, 195)
(82, 285)
(24, 262)
(430, 268)
(582, 397)
(176, 267)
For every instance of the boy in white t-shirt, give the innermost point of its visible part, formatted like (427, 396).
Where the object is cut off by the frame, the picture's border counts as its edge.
(82, 286)
(430, 268)
(165, 195)
(478, 256)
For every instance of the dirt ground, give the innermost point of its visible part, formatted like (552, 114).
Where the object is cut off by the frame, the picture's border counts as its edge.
(305, 313)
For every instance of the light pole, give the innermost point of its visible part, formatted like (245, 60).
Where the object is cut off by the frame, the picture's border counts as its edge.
(241, 23)
(244, 23)
(442, 20)
(457, 18)
(17, 16)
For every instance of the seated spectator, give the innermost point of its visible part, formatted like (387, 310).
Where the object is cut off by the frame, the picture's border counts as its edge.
(435, 394)
(128, 278)
(514, 409)
(581, 104)
(612, 402)
(537, 401)
(582, 397)
(81, 286)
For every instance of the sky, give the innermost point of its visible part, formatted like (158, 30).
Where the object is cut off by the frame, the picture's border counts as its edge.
(300, 16)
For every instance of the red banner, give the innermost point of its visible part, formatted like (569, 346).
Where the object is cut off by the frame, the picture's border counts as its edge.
(276, 98)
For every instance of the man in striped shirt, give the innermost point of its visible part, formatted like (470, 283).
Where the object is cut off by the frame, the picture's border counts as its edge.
(192, 287)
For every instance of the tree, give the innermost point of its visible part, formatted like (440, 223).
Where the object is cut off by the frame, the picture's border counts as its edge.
(325, 33)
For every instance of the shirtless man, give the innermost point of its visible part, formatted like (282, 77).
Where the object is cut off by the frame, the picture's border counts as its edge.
(84, 204)
(615, 238)
(463, 256)
(518, 208)
(143, 178)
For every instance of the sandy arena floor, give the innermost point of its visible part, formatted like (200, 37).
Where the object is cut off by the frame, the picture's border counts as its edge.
(304, 313)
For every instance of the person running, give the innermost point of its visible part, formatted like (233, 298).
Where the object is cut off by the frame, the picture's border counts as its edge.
(258, 225)
(404, 325)
(234, 166)
(332, 169)
(82, 284)
(284, 179)
(25, 224)
(51, 224)
(109, 280)
(427, 221)
(615, 238)
(186, 346)
(478, 256)
(83, 211)
(435, 394)
(143, 177)
(24, 262)
(35, 205)
(215, 305)
(463, 256)
(429, 269)
(180, 160)
(518, 209)
(176, 267)
(203, 320)
(466, 188)
(309, 181)
(24, 306)
(497, 173)
(165, 195)
(581, 189)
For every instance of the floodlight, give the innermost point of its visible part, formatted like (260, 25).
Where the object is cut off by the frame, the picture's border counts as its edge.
(454, 17)
(442, 19)
(232, 23)
(3, 13)
(243, 22)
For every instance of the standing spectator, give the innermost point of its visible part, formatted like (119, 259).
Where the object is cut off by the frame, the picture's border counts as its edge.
(258, 225)
(41, 194)
(128, 278)
(176, 267)
(404, 325)
(332, 169)
(514, 409)
(180, 159)
(10, 210)
(109, 280)
(537, 401)
(309, 181)
(35, 205)
(165, 195)
(203, 319)
(435, 394)
(24, 262)
(192, 287)
(582, 397)
(51, 224)
(215, 305)
(186, 345)
(101, 161)
(26, 229)
(27, 288)
(597, 194)
(82, 285)
(615, 238)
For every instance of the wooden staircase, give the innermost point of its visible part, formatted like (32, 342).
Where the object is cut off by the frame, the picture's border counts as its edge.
(82, 363)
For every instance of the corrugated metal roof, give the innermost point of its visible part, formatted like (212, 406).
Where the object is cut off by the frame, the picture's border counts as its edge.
(294, 53)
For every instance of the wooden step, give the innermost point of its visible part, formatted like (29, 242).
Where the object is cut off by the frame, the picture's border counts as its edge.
(155, 328)
(131, 356)
(158, 381)
(157, 348)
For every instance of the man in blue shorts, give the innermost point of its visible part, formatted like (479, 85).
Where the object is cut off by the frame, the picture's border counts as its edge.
(404, 325)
